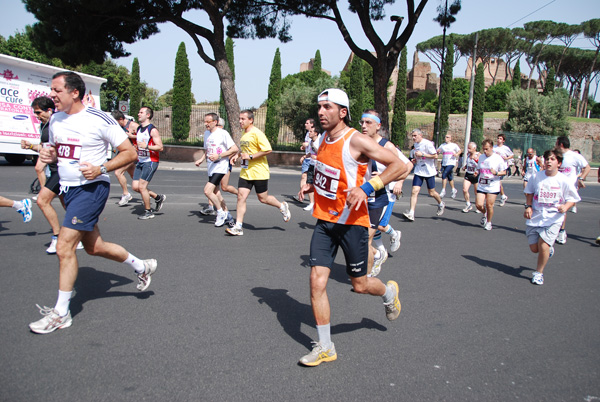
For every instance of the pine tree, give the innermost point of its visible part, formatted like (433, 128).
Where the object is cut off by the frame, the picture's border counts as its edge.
(550, 82)
(272, 123)
(398, 136)
(229, 52)
(356, 91)
(182, 96)
(478, 106)
(135, 89)
(446, 88)
(516, 81)
(317, 65)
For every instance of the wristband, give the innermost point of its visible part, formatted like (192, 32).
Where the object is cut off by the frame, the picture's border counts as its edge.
(377, 183)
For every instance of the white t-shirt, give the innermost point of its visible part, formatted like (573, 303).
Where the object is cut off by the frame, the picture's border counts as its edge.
(83, 137)
(471, 166)
(548, 193)
(217, 142)
(504, 152)
(571, 162)
(531, 167)
(425, 167)
(313, 148)
(488, 182)
(307, 139)
(390, 187)
(448, 149)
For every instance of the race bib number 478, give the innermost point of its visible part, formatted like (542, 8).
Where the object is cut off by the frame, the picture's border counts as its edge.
(68, 151)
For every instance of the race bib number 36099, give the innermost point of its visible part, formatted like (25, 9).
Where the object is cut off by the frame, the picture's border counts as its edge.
(68, 151)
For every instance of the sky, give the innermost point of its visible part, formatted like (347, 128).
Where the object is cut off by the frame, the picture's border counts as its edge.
(253, 58)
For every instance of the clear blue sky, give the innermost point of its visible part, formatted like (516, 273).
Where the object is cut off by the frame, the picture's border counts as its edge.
(253, 58)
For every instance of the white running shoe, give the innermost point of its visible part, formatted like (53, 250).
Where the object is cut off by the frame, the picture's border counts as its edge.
(477, 211)
(488, 226)
(285, 211)
(208, 211)
(377, 262)
(145, 277)
(503, 199)
(25, 210)
(440, 209)
(467, 208)
(551, 252)
(574, 209)
(483, 220)
(538, 278)
(454, 192)
(51, 321)
(125, 198)
(221, 217)
(443, 193)
(395, 242)
(52, 248)
(80, 246)
(409, 215)
(309, 207)
(235, 230)
(562, 237)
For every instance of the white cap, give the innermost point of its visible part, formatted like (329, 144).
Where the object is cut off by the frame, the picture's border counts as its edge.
(221, 122)
(336, 96)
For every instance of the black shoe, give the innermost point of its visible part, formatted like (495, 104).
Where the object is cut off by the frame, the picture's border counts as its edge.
(159, 202)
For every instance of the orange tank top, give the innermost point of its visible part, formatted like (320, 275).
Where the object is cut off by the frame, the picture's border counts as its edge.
(335, 171)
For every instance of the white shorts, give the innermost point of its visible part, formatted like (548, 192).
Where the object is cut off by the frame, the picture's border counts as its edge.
(546, 233)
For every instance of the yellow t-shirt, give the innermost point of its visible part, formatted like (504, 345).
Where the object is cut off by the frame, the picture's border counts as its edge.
(252, 142)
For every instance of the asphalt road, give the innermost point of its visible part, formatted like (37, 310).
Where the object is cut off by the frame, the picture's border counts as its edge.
(227, 318)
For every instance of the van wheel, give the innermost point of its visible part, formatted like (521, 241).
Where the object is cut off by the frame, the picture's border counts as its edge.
(15, 159)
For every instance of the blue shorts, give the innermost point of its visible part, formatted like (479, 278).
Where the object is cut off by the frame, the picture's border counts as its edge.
(145, 170)
(354, 240)
(447, 172)
(84, 204)
(387, 214)
(418, 181)
(305, 164)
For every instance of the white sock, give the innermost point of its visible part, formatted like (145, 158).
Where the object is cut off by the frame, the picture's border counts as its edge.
(135, 263)
(17, 205)
(388, 296)
(238, 224)
(62, 303)
(468, 203)
(220, 210)
(378, 243)
(324, 332)
(377, 254)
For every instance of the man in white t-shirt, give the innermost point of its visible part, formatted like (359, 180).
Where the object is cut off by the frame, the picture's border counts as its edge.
(79, 139)
(507, 155)
(449, 152)
(425, 156)
(549, 195)
(309, 125)
(490, 168)
(531, 165)
(572, 162)
(218, 147)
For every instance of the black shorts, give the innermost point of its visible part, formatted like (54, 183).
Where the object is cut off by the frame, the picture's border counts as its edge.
(471, 177)
(261, 186)
(354, 241)
(216, 178)
(310, 174)
(376, 215)
(53, 183)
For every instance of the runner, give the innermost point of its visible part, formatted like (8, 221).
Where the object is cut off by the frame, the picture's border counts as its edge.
(470, 175)
(129, 127)
(450, 152)
(491, 167)
(507, 155)
(23, 207)
(549, 195)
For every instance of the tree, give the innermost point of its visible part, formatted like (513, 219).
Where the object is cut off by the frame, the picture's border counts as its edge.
(495, 97)
(459, 100)
(317, 65)
(478, 105)
(272, 123)
(550, 82)
(443, 112)
(591, 30)
(432, 49)
(516, 81)
(531, 113)
(230, 62)
(398, 134)
(182, 96)
(356, 90)
(20, 45)
(135, 89)
(535, 32)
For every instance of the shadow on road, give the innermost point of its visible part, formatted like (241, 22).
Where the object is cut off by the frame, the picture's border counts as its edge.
(92, 284)
(291, 314)
(506, 269)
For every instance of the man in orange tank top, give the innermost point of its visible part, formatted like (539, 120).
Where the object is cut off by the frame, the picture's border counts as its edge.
(343, 217)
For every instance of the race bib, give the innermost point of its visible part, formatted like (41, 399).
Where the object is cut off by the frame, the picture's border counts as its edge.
(326, 180)
(485, 181)
(244, 163)
(143, 153)
(68, 151)
(549, 195)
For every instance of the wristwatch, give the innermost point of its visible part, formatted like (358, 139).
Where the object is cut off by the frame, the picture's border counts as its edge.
(102, 169)
(251, 156)
(528, 206)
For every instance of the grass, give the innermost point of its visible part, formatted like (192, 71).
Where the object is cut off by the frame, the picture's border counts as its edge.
(582, 120)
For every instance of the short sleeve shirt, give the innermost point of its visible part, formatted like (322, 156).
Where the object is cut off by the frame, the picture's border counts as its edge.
(448, 151)
(548, 193)
(425, 167)
(252, 142)
(488, 182)
(217, 142)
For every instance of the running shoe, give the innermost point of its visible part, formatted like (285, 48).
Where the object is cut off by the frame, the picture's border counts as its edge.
(145, 277)
(551, 252)
(503, 199)
(125, 198)
(440, 209)
(309, 207)
(319, 355)
(477, 211)
(395, 241)
(467, 208)
(574, 209)
(221, 217)
(392, 310)
(80, 246)
(538, 278)
(52, 248)
(454, 192)
(25, 210)
(409, 215)
(235, 231)
(148, 214)
(285, 211)
(208, 211)
(488, 226)
(443, 193)
(562, 237)
(378, 262)
(598, 240)
(159, 202)
(483, 220)
(51, 321)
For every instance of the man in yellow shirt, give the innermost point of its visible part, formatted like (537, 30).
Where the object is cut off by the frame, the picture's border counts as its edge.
(254, 148)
